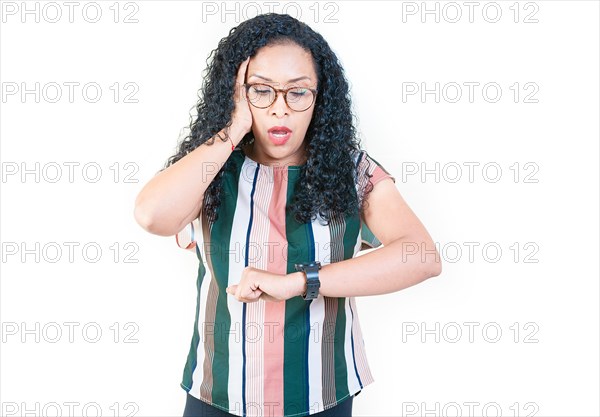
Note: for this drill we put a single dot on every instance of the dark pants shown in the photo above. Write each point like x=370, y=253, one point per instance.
x=198, y=408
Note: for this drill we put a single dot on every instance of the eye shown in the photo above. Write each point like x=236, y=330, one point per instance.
x=299, y=92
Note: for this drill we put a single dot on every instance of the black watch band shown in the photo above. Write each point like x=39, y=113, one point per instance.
x=312, y=278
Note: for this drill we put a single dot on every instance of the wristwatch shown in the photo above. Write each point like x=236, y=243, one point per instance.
x=312, y=278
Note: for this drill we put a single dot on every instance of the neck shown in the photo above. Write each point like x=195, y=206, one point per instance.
x=252, y=153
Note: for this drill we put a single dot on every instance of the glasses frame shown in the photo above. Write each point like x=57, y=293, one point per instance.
x=284, y=91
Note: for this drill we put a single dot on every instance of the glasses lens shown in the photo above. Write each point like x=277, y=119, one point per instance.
x=299, y=98
x=261, y=95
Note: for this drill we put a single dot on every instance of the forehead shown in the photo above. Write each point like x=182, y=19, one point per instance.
x=282, y=64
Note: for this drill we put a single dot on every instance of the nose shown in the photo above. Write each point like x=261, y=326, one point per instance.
x=279, y=106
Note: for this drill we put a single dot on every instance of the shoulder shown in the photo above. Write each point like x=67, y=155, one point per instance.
x=367, y=166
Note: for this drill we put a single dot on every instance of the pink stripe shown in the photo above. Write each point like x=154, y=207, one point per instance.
x=360, y=354
x=275, y=311
x=379, y=174
x=255, y=357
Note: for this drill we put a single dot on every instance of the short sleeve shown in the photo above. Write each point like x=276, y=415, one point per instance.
x=186, y=238
x=374, y=168
x=366, y=164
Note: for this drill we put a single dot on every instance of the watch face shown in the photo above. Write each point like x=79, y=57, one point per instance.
x=314, y=264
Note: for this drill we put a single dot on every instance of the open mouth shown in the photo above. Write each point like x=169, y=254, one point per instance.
x=279, y=134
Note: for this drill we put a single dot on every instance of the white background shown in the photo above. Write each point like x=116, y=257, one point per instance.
x=554, y=301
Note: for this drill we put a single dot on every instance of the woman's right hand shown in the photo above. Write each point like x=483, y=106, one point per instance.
x=241, y=119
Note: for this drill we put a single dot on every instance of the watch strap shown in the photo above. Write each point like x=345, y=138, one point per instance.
x=312, y=279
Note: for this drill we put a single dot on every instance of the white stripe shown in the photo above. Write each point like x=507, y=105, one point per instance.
x=353, y=384
x=236, y=266
x=359, y=349
x=358, y=243
x=198, y=373
x=255, y=317
x=352, y=381
x=322, y=237
x=315, y=371
x=359, y=352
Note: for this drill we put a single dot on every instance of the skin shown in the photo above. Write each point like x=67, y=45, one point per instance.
x=165, y=206
x=408, y=255
x=280, y=64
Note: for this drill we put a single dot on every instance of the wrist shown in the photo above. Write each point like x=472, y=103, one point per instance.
x=235, y=133
x=299, y=279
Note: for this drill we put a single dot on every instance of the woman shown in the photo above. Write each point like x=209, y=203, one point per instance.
x=270, y=190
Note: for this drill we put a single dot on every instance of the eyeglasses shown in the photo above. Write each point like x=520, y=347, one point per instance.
x=296, y=98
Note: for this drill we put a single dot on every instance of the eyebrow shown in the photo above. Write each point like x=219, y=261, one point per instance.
x=289, y=81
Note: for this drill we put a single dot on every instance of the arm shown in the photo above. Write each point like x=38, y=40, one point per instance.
x=379, y=271
x=173, y=198
x=408, y=257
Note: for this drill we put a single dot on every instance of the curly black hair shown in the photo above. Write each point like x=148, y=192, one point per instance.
x=327, y=182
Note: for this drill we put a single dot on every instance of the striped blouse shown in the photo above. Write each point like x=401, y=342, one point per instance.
x=288, y=358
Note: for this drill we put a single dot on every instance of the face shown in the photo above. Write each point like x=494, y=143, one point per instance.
x=282, y=67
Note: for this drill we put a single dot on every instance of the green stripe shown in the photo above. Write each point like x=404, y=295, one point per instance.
x=352, y=230
x=353, y=227
x=192, y=357
x=295, y=393
x=368, y=236
x=366, y=233
x=220, y=238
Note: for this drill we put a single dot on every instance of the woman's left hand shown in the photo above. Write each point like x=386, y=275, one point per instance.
x=258, y=284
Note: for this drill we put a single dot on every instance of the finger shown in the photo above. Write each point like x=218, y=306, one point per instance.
x=241, y=76
x=240, y=91
x=243, y=93
x=244, y=296
x=238, y=292
x=250, y=298
x=252, y=294
x=235, y=291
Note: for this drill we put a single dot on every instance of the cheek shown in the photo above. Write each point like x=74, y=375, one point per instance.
x=261, y=118
x=306, y=121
